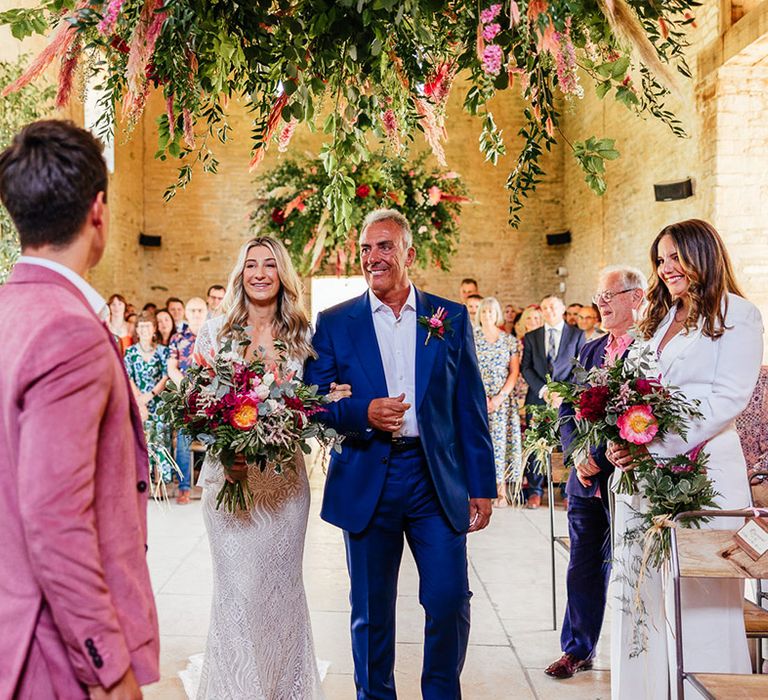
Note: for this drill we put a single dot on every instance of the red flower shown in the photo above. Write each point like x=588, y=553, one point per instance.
x=278, y=216
x=645, y=386
x=246, y=413
x=363, y=191
x=592, y=403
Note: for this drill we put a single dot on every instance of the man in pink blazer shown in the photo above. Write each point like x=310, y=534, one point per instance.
x=77, y=615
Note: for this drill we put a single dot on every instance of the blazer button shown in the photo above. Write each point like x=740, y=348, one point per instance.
x=384, y=460
x=98, y=662
x=89, y=643
x=142, y=486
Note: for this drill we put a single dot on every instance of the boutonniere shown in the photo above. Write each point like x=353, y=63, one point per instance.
x=437, y=325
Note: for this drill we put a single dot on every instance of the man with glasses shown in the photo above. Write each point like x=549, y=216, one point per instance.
x=588, y=320
x=548, y=354
x=620, y=298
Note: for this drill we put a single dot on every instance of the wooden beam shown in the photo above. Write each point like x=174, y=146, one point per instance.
x=749, y=32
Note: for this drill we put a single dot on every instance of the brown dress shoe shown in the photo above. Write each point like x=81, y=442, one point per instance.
x=566, y=666
x=534, y=502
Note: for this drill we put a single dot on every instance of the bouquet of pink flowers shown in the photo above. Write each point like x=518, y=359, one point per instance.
x=623, y=404
x=252, y=409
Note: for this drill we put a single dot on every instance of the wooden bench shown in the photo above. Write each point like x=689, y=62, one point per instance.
x=697, y=554
x=726, y=686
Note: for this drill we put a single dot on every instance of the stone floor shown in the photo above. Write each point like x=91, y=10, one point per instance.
x=511, y=640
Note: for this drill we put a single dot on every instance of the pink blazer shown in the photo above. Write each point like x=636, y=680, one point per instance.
x=76, y=604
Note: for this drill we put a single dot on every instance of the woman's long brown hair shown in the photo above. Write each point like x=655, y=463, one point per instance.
x=705, y=262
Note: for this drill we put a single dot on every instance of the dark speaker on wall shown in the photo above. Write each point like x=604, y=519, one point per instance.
x=559, y=238
x=670, y=191
x=150, y=241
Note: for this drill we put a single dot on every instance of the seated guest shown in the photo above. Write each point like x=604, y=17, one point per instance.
x=548, y=354
x=117, y=323
x=588, y=322
x=175, y=307
x=571, y=314
x=146, y=362
x=499, y=361
x=467, y=288
x=589, y=520
x=214, y=297
x=165, y=327
x=181, y=347
x=473, y=305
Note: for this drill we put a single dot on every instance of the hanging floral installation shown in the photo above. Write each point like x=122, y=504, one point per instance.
x=369, y=68
x=290, y=205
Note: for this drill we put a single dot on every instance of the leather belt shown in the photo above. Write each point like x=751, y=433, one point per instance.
x=401, y=444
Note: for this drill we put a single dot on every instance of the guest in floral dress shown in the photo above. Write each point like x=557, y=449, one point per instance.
x=499, y=361
x=147, y=365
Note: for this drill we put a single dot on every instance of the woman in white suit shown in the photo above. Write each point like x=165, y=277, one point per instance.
x=709, y=342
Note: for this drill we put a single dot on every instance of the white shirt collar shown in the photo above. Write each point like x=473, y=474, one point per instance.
x=94, y=299
x=558, y=327
x=377, y=303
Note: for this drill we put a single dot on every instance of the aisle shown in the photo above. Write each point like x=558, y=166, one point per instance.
x=510, y=642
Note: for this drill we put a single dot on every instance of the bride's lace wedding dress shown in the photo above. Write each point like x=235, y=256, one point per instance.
x=259, y=643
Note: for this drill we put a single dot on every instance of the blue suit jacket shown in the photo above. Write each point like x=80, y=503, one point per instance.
x=534, y=363
x=450, y=408
x=591, y=355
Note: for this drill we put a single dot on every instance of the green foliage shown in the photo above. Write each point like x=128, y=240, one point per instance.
x=295, y=198
x=16, y=110
x=591, y=156
x=356, y=61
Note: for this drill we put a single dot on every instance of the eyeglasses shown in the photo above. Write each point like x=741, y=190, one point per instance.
x=606, y=297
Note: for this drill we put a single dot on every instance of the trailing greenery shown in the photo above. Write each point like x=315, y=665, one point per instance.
x=381, y=68
x=16, y=110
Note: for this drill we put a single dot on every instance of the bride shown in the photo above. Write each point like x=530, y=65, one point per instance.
x=259, y=643
x=709, y=342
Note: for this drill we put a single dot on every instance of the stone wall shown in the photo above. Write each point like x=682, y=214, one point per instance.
x=722, y=109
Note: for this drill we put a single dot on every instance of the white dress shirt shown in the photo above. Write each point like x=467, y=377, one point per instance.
x=94, y=299
x=558, y=329
x=558, y=336
x=397, y=346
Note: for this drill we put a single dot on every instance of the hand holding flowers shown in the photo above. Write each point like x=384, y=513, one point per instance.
x=249, y=414
x=622, y=406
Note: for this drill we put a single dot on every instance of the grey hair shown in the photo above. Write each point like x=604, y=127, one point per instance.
x=631, y=277
x=389, y=215
x=489, y=303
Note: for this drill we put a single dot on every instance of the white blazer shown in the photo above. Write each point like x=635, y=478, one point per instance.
x=722, y=375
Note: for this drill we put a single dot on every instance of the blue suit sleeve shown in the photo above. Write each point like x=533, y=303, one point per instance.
x=348, y=416
x=534, y=380
x=472, y=419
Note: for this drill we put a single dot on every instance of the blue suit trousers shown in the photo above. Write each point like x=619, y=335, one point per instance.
x=589, y=569
x=408, y=509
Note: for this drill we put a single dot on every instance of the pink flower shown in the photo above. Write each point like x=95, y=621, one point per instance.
x=286, y=134
x=638, y=425
x=492, y=58
x=107, y=25
x=435, y=322
x=490, y=31
x=435, y=195
x=490, y=14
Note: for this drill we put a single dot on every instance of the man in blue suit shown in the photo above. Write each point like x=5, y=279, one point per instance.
x=548, y=351
x=620, y=296
x=416, y=463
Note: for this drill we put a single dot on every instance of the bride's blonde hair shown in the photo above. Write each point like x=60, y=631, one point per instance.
x=291, y=323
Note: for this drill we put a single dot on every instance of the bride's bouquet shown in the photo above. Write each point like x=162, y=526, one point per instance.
x=249, y=409
x=624, y=404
